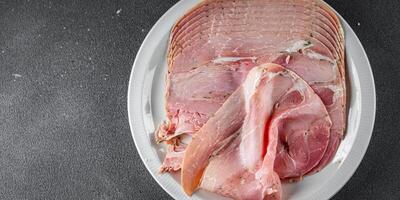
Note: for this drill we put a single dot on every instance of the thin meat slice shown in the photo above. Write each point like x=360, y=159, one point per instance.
x=260, y=29
x=234, y=153
x=209, y=29
x=193, y=96
x=323, y=75
x=174, y=156
x=215, y=44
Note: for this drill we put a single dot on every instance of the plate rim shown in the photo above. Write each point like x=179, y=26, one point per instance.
x=326, y=194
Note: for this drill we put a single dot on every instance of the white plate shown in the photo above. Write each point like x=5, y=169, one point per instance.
x=146, y=111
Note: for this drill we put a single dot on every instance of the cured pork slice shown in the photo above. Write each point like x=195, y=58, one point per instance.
x=323, y=75
x=195, y=95
x=214, y=45
x=260, y=28
x=174, y=156
x=273, y=118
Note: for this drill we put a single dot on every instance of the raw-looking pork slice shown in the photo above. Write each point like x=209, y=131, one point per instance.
x=274, y=117
x=225, y=33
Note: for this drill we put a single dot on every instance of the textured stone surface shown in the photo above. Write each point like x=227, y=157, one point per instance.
x=65, y=65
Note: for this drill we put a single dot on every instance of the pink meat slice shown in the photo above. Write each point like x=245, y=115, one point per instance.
x=174, y=157
x=217, y=35
x=195, y=95
x=274, y=118
x=251, y=28
x=323, y=75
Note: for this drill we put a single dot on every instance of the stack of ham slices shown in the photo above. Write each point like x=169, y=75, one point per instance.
x=255, y=95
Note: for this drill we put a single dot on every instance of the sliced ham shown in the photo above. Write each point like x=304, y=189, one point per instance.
x=323, y=75
x=215, y=44
x=174, y=156
x=274, y=118
x=251, y=28
x=195, y=95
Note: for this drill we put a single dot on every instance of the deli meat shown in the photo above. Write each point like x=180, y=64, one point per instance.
x=195, y=95
x=324, y=77
x=211, y=50
x=273, y=119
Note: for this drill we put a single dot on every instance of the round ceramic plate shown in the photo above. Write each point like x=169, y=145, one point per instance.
x=146, y=112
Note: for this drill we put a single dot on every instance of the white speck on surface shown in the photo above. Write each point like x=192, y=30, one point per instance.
x=90, y=58
x=17, y=75
x=2, y=51
x=76, y=42
x=142, y=30
x=62, y=75
x=88, y=29
x=64, y=27
x=296, y=46
x=119, y=11
x=358, y=24
x=105, y=78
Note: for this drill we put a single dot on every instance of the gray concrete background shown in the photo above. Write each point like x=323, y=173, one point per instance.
x=65, y=65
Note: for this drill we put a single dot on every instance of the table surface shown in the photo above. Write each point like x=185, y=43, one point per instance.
x=65, y=66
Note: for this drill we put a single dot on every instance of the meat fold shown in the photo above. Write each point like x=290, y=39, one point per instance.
x=323, y=75
x=273, y=119
x=174, y=156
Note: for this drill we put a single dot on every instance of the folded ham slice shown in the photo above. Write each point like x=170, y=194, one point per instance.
x=323, y=75
x=273, y=118
x=213, y=47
